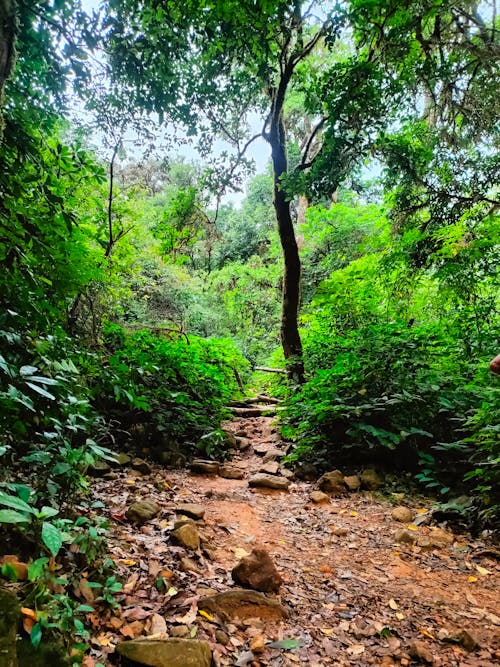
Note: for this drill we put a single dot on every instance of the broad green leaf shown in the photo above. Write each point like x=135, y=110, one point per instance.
x=16, y=503
x=47, y=512
x=287, y=644
x=37, y=568
x=41, y=391
x=11, y=516
x=52, y=538
x=36, y=634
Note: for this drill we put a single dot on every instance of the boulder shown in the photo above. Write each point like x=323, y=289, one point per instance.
x=319, y=498
x=99, y=469
x=122, y=459
x=242, y=604
x=264, y=481
x=9, y=619
x=192, y=510
x=306, y=472
x=371, y=480
x=352, y=482
x=243, y=444
x=187, y=536
x=270, y=468
x=332, y=483
x=403, y=514
x=142, y=511
x=405, y=537
x=172, y=652
x=205, y=467
x=257, y=571
x=231, y=472
x=273, y=455
x=141, y=466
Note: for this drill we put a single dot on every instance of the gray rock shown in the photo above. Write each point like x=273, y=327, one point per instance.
x=166, y=652
x=9, y=619
x=193, y=510
x=231, y=472
x=205, y=467
x=264, y=481
x=142, y=511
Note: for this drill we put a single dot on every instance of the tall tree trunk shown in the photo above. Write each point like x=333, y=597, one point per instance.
x=290, y=337
x=8, y=29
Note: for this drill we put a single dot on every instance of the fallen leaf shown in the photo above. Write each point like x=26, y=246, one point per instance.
x=240, y=553
x=29, y=613
x=205, y=615
x=327, y=631
x=355, y=649
x=426, y=633
x=172, y=591
x=326, y=569
x=393, y=604
x=353, y=513
x=28, y=624
x=287, y=644
x=482, y=570
x=156, y=625
x=400, y=616
x=472, y=579
x=411, y=526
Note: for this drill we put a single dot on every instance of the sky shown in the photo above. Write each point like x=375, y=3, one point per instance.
x=259, y=151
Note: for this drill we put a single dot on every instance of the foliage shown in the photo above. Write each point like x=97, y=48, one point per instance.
x=178, y=387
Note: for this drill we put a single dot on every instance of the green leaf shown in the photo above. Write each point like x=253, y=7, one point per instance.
x=37, y=568
x=52, y=538
x=47, y=512
x=11, y=516
x=16, y=503
x=36, y=634
x=41, y=391
x=287, y=644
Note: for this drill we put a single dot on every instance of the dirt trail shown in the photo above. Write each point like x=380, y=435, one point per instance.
x=354, y=596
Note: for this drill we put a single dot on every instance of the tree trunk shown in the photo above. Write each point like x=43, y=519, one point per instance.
x=8, y=28
x=290, y=337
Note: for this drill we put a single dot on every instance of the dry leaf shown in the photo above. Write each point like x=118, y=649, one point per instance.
x=393, y=604
x=482, y=570
x=411, y=526
x=156, y=625
x=29, y=613
x=355, y=649
x=127, y=562
x=131, y=583
x=472, y=579
x=327, y=631
x=426, y=633
x=240, y=553
x=353, y=513
x=400, y=616
x=28, y=624
x=205, y=615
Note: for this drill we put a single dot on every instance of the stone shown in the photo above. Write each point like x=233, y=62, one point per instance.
x=467, y=640
x=436, y=539
x=319, y=498
x=230, y=438
x=332, y=483
x=371, y=480
x=221, y=637
x=231, y=472
x=187, y=536
x=420, y=651
x=306, y=472
x=142, y=511
x=405, y=537
x=288, y=474
x=205, y=467
x=257, y=571
x=270, y=468
x=172, y=652
x=122, y=459
x=141, y=466
x=258, y=644
x=241, y=433
x=243, y=604
x=243, y=444
x=179, y=631
x=402, y=514
x=188, y=565
x=352, y=482
x=338, y=531
x=9, y=619
x=182, y=521
x=99, y=469
x=192, y=510
x=263, y=481
x=273, y=455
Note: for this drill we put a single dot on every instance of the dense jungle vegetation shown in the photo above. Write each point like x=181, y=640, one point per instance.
x=136, y=299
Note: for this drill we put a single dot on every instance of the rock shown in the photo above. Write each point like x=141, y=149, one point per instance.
x=261, y=450
x=187, y=536
x=191, y=509
x=319, y=498
x=405, y=537
x=221, y=637
x=179, y=631
x=142, y=511
x=270, y=468
x=332, y=483
x=242, y=604
x=99, y=469
x=288, y=474
x=352, y=482
x=9, y=619
x=306, y=472
x=436, y=539
x=273, y=455
x=468, y=641
x=420, y=651
x=122, y=459
x=403, y=514
x=258, y=644
x=188, y=565
x=182, y=521
x=370, y=479
x=257, y=571
x=141, y=466
x=205, y=467
x=230, y=439
x=166, y=652
x=243, y=444
x=241, y=433
x=338, y=531
x=262, y=480
x=231, y=472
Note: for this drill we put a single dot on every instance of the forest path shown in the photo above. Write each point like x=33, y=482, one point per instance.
x=353, y=595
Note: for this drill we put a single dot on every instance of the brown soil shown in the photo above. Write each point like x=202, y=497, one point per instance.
x=354, y=596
